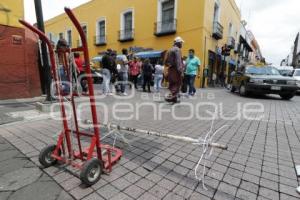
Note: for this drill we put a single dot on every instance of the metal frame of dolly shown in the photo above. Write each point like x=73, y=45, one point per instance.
x=92, y=163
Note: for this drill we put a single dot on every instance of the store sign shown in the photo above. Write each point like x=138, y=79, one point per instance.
x=17, y=40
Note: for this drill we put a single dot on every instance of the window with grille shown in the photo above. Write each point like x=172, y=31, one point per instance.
x=69, y=37
x=168, y=15
x=101, y=32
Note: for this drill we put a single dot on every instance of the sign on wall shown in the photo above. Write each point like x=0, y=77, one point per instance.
x=17, y=40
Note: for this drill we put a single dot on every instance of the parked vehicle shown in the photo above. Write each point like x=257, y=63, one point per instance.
x=285, y=70
x=296, y=76
x=264, y=80
x=96, y=73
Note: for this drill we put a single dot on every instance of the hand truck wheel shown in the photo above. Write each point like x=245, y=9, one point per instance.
x=45, y=156
x=91, y=172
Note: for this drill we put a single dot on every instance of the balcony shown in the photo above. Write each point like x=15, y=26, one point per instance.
x=100, y=40
x=231, y=42
x=168, y=27
x=126, y=35
x=217, y=31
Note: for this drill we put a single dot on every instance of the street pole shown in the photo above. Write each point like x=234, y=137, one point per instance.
x=44, y=59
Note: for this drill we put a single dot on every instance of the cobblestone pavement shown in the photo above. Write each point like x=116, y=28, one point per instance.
x=21, y=179
x=259, y=163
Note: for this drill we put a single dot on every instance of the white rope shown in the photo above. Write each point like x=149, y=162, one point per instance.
x=207, y=152
x=207, y=143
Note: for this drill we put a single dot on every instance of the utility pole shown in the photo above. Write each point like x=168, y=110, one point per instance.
x=45, y=62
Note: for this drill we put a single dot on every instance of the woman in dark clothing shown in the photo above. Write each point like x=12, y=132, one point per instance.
x=147, y=73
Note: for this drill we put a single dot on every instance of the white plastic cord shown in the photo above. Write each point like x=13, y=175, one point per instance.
x=206, y=143
x=206, y=153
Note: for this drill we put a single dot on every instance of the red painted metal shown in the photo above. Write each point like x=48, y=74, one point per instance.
x=89, y=79
x=112, y=154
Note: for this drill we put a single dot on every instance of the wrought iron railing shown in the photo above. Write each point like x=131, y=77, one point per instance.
x=126, y=35
x=165, y=27
x=217, y=30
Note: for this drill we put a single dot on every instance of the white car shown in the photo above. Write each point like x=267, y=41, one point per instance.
x=285, y=70
x=296, y=76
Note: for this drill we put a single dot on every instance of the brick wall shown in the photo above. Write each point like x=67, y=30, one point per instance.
x=19, y=74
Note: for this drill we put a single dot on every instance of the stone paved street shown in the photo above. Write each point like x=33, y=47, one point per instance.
x=21, y=179
x=259, y=163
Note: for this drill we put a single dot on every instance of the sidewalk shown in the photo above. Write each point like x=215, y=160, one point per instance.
x=259, y=163
x=8, y=107
x=21, y=179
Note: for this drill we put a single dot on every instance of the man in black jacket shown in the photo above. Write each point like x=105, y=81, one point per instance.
x=109, y=69
x=147, y=73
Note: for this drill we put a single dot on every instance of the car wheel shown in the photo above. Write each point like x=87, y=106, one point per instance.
x=287, y=96
x=243, y=90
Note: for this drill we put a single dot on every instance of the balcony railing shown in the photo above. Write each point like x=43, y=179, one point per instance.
x=165, y=27
x=126, y=35
x=231, y=42
x=100, y=40
x=217, y=30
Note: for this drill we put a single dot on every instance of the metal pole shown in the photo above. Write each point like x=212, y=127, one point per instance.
x=45, y=61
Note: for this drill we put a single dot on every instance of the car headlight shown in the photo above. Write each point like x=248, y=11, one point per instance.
x=256, y=80
x=291, y=82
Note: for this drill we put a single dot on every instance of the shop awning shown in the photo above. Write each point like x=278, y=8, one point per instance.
x=149, y=54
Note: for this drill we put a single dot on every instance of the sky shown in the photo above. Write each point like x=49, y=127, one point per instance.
x=274, y=23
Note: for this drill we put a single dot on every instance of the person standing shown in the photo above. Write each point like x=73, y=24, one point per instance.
x=158, y=76
x=61, y=47
x=184, y=83
x=123, y=72
x=147, y=73
x=192, y=68
x=81, y=72
x=108, y=69
x=175, y=67
x=222, y=78
x=134, y=71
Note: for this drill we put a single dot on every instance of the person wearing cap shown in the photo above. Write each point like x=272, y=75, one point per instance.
x=175, y=64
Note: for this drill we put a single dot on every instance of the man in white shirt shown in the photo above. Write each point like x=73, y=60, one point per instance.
x=123, y=72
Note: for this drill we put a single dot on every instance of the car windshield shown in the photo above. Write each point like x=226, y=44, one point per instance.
x=285, y=72
x=262, y=71
x=297, y=73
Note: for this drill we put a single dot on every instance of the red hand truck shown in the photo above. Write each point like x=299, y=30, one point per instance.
x=95, y=159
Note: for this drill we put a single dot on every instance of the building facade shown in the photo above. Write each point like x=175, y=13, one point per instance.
x=293, y=59
x=205, y=25
x=19, y=74
x=244, y=48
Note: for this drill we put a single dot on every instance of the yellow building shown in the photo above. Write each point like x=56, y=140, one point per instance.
x=10, y=12
x=205, y=25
